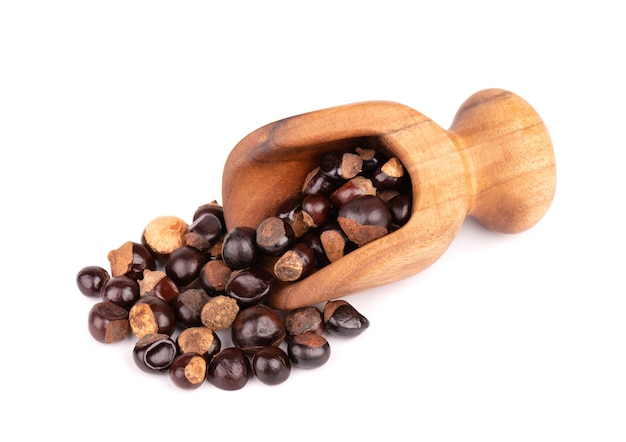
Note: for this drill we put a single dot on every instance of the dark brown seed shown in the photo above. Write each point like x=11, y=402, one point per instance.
x=313, y=240
x=188, y=371
x=308, y=350
x=188, y=307
x=91, y=279
x=357, y=186
x=342, y=319
x=239, y=249
x=364, y=219
x=213, y=208
x=390, y=175
x=271, y=365
x=166, y=289
x=249, y=286
x=400, y=209
x=131, y=259
x=149, y=281
x=154, y=352
x=213, y=276
x=317, y=183
x=295, y=264
x=339, y=165
x=151, y=315
x=200, y=340
x=257, y=327
x=204, y=231
x=229, y=369
x=372, y=159
x=316, y=209
x=274, y=235
x=121, y=290
x=291, y=212
x=304, y=319
x=108, y=322
x=184, y=264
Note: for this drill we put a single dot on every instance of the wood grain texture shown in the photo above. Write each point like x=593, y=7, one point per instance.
x=495, y=163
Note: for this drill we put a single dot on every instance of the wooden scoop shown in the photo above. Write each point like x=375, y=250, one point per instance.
x=495, y=163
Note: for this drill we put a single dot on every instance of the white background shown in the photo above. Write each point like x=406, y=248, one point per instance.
x=112, y=113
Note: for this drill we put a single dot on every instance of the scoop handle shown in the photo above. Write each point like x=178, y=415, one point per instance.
x=509, y=159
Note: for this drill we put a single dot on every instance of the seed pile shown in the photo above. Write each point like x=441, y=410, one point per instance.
x=183, y=282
